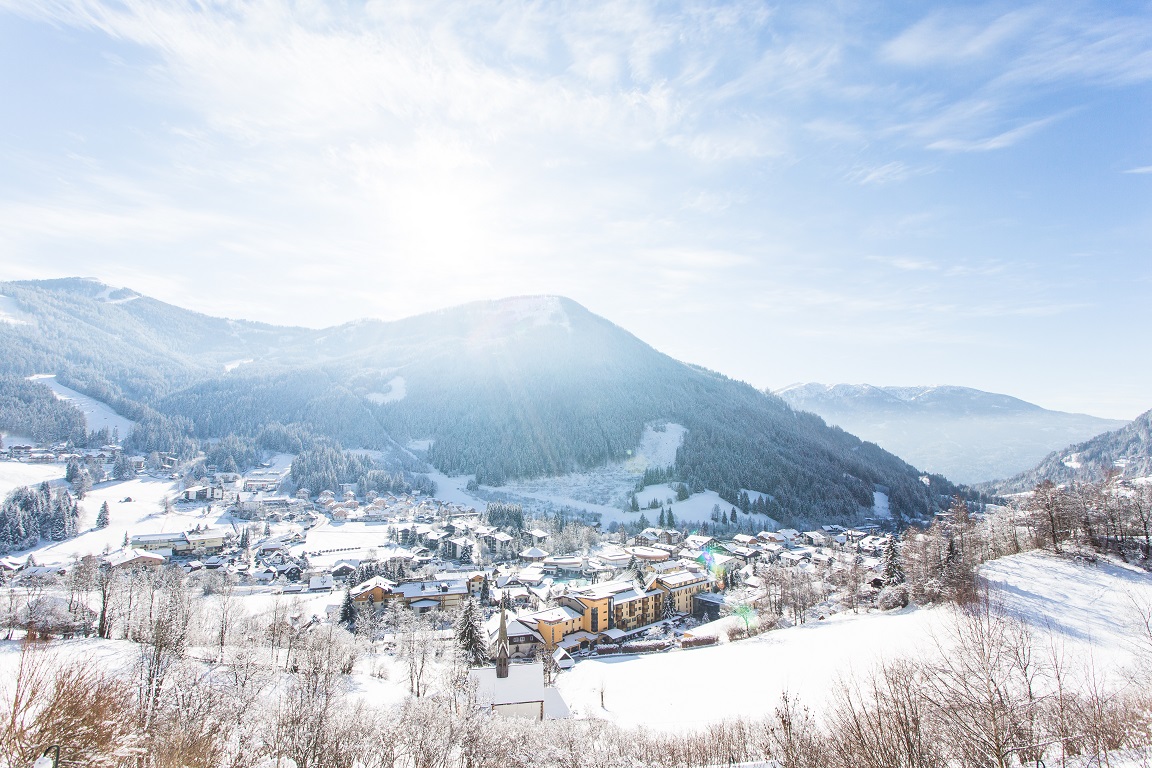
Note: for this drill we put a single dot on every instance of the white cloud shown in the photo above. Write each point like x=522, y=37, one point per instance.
x=950, y=37
x=989, y=143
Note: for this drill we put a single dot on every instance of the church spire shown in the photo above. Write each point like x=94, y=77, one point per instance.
x=502, y=647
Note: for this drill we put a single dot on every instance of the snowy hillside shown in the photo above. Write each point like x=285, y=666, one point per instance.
x=506, y=390
x=1127, y=450
x=98, y=415
x=1088, y=612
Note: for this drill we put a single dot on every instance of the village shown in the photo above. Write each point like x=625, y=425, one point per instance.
x=550, y=592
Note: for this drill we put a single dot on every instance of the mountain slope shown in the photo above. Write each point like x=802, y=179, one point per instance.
x=1127, y=450
x=965, y=434
x=515, y=388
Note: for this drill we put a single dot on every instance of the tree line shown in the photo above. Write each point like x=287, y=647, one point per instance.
x=30, y=514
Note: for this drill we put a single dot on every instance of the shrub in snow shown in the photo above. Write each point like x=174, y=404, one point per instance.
x=606, y=648
x=645, y=646
x=737, y=633
x=892, y=597
x=931, y=592
x=697, y=642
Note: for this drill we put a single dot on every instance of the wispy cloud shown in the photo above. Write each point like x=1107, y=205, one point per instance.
x=999, y=141
x=886, y=173
x=729, y=160
x=952, y=36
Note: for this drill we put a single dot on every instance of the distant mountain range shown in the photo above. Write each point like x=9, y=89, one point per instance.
x=967, y=435
x=1127, y=450
x=523, y=387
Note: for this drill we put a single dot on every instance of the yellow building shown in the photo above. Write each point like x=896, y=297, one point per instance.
x=682, y=585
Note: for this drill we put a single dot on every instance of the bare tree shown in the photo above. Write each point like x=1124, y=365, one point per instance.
x=979, y=687
x=885, y=723
x=163, y=637
x=790, y=736
x=416, y=645
x=1049, y=506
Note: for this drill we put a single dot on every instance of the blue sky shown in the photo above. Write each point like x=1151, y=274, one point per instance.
x=891, y=193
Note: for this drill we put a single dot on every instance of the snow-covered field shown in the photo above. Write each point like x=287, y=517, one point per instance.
x=397, y=390
x=1087, y=610
x=880, y=506
x=691, y=688
x=12, y=314
x=143, y=514
x=330, y=542
x=14, y=474
x=99, y=415
x=605, y=490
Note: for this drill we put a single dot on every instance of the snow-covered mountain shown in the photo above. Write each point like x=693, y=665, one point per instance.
x=1127, y=450
x=965, y=434
x=517, y=388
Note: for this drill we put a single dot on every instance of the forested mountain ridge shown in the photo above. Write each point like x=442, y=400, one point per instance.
x=966, y=434
x=1126, y=451
x=514, y=388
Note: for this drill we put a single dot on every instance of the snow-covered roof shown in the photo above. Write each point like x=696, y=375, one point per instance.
x=525, y=683
x=125, y=556
x=560, y=613
x=681, y=579
x=415, y=589
x=372, y=583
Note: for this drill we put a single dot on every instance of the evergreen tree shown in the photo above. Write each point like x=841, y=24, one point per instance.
x=634, y=503
x=470, y=635
x=123, y=469
x=348, y=611
x=245, y=540
x=660, y=521
x=670, y=519
x=893, y=571
x=485, y=591
x=636, y=569
x=102, y=518
x=669, y=608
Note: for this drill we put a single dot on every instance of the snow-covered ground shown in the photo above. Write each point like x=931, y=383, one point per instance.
x=397, y=390
x=14, y=474
x=1091, y=609
x=696, y=508
x=143, y=514
x=97, y=414
x=880, y=506
x=603, y=491
x=330, y=542
x=691, y=688
x=1087, y=610
x=12, y=314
